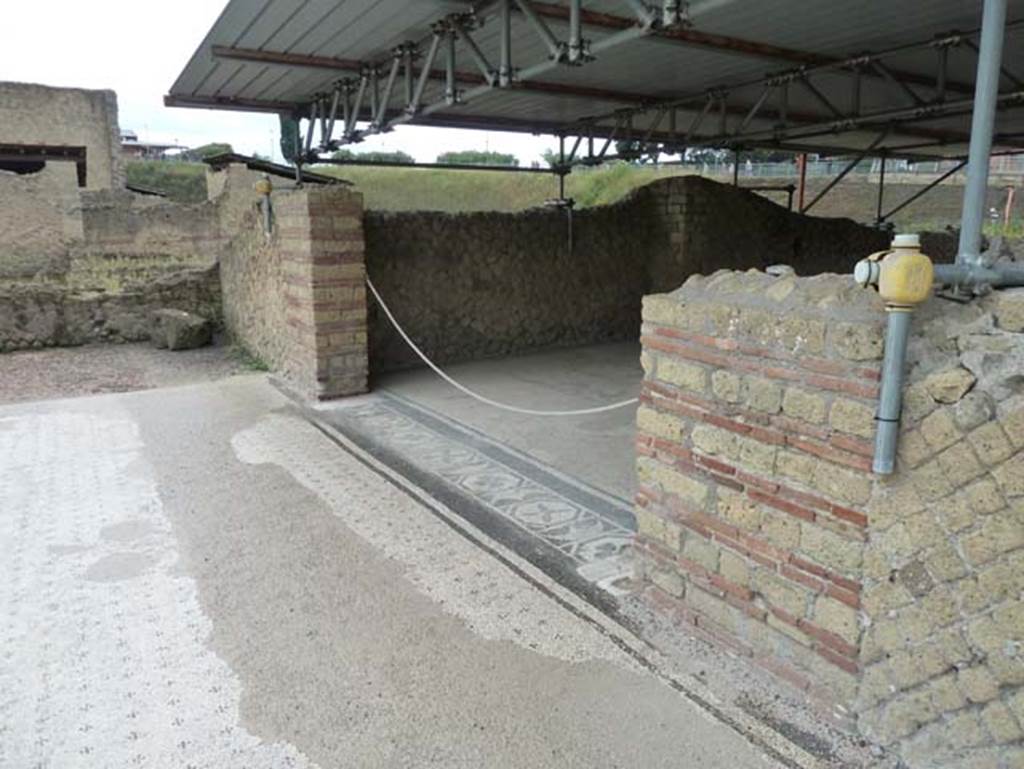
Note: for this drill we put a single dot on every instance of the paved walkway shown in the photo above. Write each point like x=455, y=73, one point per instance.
x=197, y=577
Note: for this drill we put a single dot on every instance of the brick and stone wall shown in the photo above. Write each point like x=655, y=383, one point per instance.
x=297, y=297
x=468, y=286
x=894, y=604
x=38, y=114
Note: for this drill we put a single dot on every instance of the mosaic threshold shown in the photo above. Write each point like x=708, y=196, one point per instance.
x=555, y=521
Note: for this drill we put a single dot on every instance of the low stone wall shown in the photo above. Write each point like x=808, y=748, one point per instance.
x=894, y=603
x=34, y=315
x=468, y=286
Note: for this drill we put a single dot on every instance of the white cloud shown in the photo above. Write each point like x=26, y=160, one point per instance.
x=138, y=49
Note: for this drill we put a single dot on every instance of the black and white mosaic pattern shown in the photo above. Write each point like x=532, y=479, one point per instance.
x=591, y=529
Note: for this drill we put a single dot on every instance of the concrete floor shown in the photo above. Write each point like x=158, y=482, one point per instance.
x=199, y=577
x=597, y=449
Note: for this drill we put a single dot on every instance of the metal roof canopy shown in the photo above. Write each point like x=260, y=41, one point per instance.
x=890, y=77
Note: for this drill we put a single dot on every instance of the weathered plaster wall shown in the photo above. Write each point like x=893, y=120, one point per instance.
x=38, y=114
x=38, y=222
x=895, y=603
x=469, y=286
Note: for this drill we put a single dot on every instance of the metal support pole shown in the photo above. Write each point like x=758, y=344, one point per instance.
x=308, y=146
x=924, y=190
x=881, y=191
x=842, y=174
x=575, y=32
x=407, y=53
x=505, y=63
x=555, y=49
x=801, y=162
x=334, y=115
x=421, y=84
x=382, y=106
x=451, y=92
x=990, y=56
x=890, y=399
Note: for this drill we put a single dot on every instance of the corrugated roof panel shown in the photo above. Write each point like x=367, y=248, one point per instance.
x=650, y=68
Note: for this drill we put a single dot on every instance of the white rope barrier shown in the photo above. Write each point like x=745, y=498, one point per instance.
x=478, y=396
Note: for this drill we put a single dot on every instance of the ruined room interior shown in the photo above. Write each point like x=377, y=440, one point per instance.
x=795, y=438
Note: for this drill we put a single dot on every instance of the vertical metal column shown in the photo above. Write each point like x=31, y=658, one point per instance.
x=990, y=57
x=505, y=62
x=881, y=191
x=801, y=162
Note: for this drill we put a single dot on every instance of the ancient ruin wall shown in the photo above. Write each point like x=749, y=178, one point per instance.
x=468, y=286
x=699, y=226
x=38, y=114
x=296, y=297
x=38, y=222
x=893, y=603
x=41, y=315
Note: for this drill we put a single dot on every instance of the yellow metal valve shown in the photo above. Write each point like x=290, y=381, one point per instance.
x=905, y=274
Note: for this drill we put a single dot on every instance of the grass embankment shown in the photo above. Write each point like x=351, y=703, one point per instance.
x=181, y=182
x=415, y=189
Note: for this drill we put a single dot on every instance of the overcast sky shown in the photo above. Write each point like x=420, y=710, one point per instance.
x=138, y=49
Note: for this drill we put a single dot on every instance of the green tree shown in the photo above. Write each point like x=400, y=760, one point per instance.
x=373, y=157
x=478, y=157
x=209, y=150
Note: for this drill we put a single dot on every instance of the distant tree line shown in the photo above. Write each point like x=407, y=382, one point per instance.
x=460, y=157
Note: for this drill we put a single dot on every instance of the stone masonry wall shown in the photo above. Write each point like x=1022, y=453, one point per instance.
x=38, y=114
x=34, y=315
x=469, y=286
x=894, y=604
x=297, y=298
x=699, y=226
x=943, y=640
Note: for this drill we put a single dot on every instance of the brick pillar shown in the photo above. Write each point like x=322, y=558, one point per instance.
x=753, y=466
x=896, y=602
x=321, y=241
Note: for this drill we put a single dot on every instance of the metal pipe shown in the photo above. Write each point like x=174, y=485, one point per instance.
x=1001, y=275
x=382, y=107
x=924, y=190
x=477, y=55
x=554, y=47
x=451, y=93
x=890, y=399
x=505, y=62
x=802, y=187
x=421, y=84
x=990, y=55
x=881, y=190
x=575, y=32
